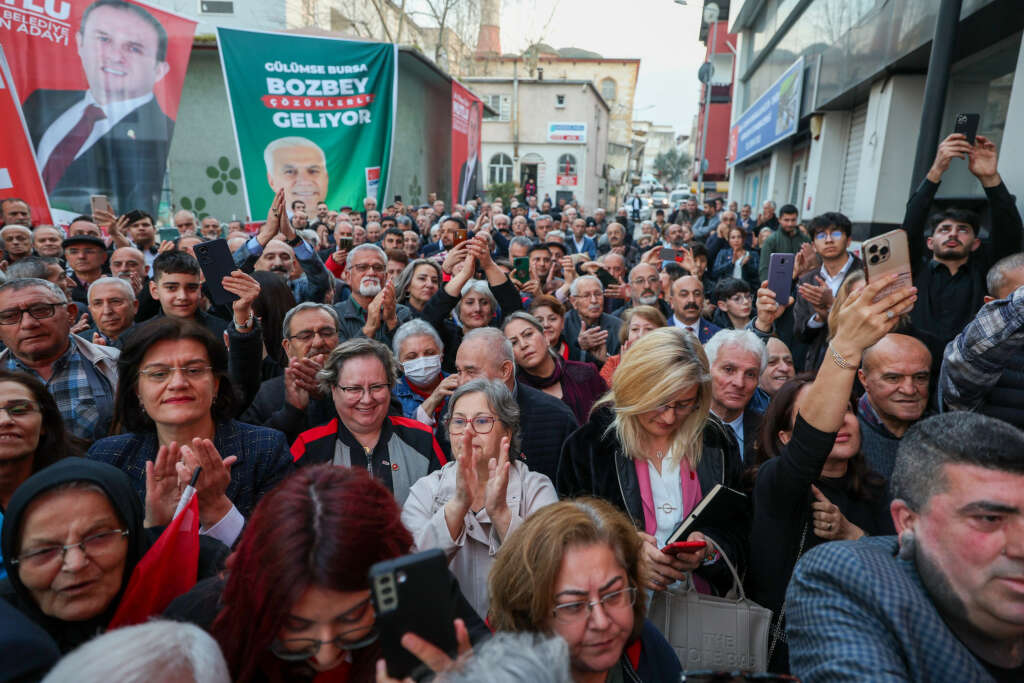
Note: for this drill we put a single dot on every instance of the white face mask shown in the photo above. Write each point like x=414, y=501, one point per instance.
x=423, y=370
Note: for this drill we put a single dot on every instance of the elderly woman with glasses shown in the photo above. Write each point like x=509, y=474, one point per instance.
x=470, y=506
x=653, y=449
x=574, y=570
x=359, y=376
x=175, y=402
x=74, y=533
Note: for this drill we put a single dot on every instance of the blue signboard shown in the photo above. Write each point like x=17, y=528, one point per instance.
x=773, y=117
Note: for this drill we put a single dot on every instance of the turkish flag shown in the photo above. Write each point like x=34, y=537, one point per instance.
x=168, y=569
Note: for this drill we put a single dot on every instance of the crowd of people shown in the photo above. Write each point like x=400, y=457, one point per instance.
x=541, y=393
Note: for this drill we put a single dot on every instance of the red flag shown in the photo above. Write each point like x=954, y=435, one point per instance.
x=167, y=570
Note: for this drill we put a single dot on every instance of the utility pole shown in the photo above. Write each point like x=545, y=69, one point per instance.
x=710, y=18
x=939, y=63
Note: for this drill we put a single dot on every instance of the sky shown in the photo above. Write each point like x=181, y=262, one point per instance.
x=661, y=33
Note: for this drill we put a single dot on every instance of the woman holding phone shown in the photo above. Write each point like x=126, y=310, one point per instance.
x=295, y=602
x=653, y=449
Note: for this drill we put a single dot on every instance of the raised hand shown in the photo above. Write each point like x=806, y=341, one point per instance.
x=862, y=321
x=163, y=486
x=768, y=309
x=819, y=296
x=953, y=147
x=246, y=288
x=213, y=480
x=496, y=491
x=437, y=660
x=983, y=161
x=81, y=325
x=829, y=522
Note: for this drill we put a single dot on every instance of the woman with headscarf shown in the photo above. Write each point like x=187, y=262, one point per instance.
x=73, y=535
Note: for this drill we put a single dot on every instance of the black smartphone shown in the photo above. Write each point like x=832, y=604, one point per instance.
x=216, y=262
x=411, y=594
x=666, y=254
x=967, y=125
x=606, y=278
x=345, y=243
x=780, y=277
x=398, y=199
x=168, y=234
x=522, y=266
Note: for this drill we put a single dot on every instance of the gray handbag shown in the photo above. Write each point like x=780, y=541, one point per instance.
x=708, y=632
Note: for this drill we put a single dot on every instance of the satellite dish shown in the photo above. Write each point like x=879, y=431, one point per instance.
x=711, y=13
x=705, y=72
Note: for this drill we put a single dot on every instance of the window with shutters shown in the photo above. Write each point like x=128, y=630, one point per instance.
x=501, y=104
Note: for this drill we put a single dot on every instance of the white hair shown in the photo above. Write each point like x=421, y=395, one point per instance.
x=481, y=287
x=414, y=328
x=496, y=341
x=157, y=650
x=116, y=281
x=743, y=339
x=365, y=247
x=514, y=657
x=15, y=226
x=290, y=141
x=574, y=288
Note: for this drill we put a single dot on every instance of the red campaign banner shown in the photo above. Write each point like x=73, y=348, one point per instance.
x=100, y=82
x=467, y=110
x=18, y=174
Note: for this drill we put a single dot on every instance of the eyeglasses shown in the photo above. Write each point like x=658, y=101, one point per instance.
x=482, y=424
x=12, y=316
x=741, y=298
x=323, y=332
x=575, y=611
x=652, y=280
x=93, y=547
x=834, y=234
x=363, y=267
x=297, y=649
x=589, y=295
x=677, y=407
x=355, y=393
x=16, y=409
x=161, y=373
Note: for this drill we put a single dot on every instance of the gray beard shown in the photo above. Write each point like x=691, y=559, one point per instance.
x=648, y=300
x=366, y=289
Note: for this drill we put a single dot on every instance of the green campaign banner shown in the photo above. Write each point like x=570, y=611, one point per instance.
x=312, y=115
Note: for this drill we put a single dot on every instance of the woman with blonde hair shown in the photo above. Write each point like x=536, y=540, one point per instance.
x=573, y=569
x=653, y=449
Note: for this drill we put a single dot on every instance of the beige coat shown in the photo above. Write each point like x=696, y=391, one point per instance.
x=471, y=554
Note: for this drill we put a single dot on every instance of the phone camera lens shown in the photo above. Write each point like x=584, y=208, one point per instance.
x=873, y=248
x=400, y=577
x=873, y=260
x=884, y=251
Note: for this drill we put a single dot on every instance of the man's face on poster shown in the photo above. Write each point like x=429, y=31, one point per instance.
x=473, y=132
x=119, y=53
x=302, y=172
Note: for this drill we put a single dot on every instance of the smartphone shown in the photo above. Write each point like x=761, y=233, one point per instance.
x=606, y=278
x=411, y=594
x=345, y=243
x=98, y=203
x=666, y=254
x=683, y=546
x=216, y=263
x=461, y=235
x=967, y=125
x=168, y=234
x=884, y=255
x=780, y=276
x=398, y=199
x=522, y=266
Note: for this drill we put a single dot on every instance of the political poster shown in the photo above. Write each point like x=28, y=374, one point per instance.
x=19, y=177
x=312, y=115
x=467, y=110
x=99, y=82
x=773, y=117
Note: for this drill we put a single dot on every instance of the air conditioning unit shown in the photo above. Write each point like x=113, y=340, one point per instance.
x=216, y=7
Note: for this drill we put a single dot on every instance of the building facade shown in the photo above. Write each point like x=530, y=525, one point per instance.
x=557, y=130
x=829, y=95
x=720, y=46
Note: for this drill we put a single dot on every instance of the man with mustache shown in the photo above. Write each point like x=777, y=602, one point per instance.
x=292, y=403
x=950, y=265
x=943, y=600
x=687, y=298
x=370, y=310
x=645, y=289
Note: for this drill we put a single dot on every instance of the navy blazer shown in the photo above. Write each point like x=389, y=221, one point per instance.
x=589, y=246
x=707, y=330
x=263, y=459
x=855, y=611
x=127, y=163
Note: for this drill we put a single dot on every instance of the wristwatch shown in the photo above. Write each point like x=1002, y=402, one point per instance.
x=296, y=241
x=247, y=325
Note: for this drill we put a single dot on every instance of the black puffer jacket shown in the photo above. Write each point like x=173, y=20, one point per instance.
x=593, y=463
